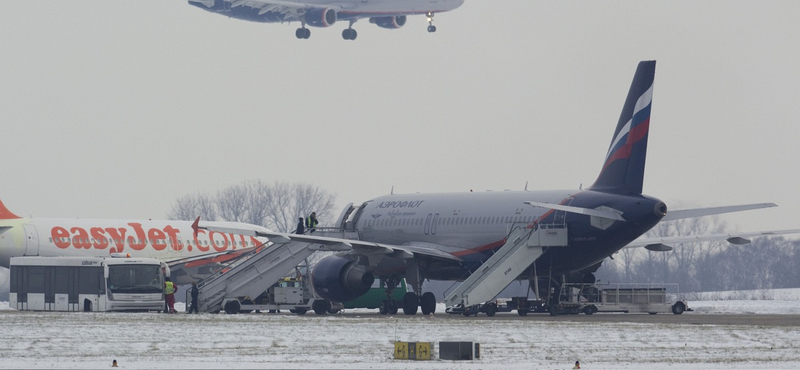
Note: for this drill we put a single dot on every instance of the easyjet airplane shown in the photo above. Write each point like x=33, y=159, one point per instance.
x=390, y=14
x=190, y=255
x=447, y=236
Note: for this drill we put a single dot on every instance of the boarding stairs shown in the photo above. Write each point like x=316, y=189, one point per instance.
x=523, y=246
x=251, y=275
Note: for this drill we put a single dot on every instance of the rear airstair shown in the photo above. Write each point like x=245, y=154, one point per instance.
x=250, y=276
x=523, y=246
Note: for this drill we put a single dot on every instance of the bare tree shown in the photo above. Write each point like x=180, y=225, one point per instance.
x=233, y=202
x=277, y=206
x=188, y=207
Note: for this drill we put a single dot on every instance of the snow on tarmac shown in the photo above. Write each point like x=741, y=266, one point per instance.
x=365, y=341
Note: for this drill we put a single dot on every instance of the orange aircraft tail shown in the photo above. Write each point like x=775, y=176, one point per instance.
x=5, y=214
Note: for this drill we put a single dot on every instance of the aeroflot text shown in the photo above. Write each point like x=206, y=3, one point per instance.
x=138, y=239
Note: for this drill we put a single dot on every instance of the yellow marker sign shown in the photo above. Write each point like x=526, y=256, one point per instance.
x=423, y=350
x=412, y=351
x=401, y=350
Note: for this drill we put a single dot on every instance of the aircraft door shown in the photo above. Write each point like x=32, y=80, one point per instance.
x=31, y=240
x=428, y=223
x=433, y=224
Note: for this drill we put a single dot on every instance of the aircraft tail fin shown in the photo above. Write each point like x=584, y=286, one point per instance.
x=5, y=214
x=623, y=169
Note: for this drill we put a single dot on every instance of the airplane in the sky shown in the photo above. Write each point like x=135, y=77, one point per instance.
x=449, y=236
x=390, y=14
x=190, y=255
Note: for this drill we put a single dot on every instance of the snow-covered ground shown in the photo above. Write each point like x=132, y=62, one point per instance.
x=365, y=340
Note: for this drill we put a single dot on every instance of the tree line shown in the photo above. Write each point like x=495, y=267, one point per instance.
x=276, y=206
x=766, y=263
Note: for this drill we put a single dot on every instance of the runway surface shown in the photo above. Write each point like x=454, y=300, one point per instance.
x=363, y=340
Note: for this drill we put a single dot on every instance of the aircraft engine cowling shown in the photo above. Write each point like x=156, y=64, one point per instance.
x=340, y=279
x=391, y=23
x=320, y=17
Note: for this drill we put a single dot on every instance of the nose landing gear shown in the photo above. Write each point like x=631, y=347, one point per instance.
x=431, y=27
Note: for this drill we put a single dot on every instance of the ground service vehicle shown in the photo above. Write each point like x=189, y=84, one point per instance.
x=87, y=284
x=376, y=297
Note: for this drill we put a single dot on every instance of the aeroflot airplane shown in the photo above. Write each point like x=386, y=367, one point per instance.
x=390, y=14
x=447, y=236
x=190, y=255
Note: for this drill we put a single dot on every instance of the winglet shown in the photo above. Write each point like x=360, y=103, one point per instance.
x=196, y=226
x=5, y=214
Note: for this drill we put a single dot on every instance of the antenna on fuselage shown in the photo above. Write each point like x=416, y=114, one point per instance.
x=392, y=191
x=526, y=186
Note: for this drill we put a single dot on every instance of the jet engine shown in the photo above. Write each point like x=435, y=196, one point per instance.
x=339, y=279
x=320, y=17
x=391, y=23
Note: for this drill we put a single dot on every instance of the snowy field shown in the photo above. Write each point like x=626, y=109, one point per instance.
x=365, y=340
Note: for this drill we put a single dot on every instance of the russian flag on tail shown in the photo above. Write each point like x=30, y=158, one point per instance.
x=623, y=169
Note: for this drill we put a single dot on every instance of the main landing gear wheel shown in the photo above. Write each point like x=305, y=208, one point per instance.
x=428, y=303
x=302, y=33
x=349, y=34
x=410, y=303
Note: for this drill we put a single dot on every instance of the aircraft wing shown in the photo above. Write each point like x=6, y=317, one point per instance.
x=662, y=244
x=336, y=244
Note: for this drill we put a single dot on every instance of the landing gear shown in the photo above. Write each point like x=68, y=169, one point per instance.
x=431, y=27
x=428, y=303
x=350, y=33
x=410, y=303
x=303, y=33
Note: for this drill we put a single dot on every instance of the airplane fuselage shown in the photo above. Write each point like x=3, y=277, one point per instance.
x=473, y=225
x=165, y=240
x=361, y=9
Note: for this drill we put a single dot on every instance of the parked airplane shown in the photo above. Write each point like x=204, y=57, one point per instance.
x=448, y=236
x=390, y=14
x=190, y=255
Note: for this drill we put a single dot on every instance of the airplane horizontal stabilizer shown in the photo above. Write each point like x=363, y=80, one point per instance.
x=611, y=215
x=700, y=212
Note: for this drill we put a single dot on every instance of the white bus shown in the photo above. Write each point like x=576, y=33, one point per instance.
x=87, y=284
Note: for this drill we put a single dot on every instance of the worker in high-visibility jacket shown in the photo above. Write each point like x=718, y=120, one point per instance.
x=169, y=291
x=311, y=222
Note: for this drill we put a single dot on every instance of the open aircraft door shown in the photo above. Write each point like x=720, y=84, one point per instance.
x=31, y=240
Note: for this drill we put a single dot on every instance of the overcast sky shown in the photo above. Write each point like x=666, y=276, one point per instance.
x=113, y=109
